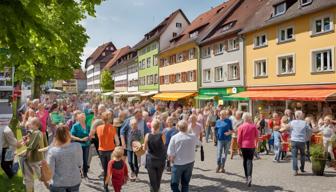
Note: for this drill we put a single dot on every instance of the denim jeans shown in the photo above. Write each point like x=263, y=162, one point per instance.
x=207, y=134
x=85, y=159
x=277, y=151
x=222, y=147
x=248, y=160
x=298, y=147
x=64, y=189
x=133, y=162
x=181, y=173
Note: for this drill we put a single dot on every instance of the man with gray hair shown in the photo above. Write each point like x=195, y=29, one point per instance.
x=299, y=130
x=181, y=152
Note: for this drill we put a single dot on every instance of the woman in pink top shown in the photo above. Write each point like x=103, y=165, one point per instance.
x=43, y=115
x=247, y=138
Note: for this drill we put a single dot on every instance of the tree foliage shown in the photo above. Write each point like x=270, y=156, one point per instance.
x=43, y=39
x=106, y=83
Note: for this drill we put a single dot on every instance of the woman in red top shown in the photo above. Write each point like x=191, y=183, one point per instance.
x=247, y=139
x=117, y=171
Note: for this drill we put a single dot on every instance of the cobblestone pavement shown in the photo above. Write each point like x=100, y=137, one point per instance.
x=267, y=176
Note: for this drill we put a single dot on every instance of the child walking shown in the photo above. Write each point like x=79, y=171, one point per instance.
x=117, y=171
x=276, y=135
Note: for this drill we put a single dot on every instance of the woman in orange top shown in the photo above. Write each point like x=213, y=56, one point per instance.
x=106, y=145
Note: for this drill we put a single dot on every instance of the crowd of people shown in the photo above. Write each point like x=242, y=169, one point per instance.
x=61, y=136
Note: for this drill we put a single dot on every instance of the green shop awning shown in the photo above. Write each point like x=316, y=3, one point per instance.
x=229, y=98
x=204, y=97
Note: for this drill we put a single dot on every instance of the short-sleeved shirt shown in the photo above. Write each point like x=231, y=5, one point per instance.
x=106, y=134
x=223, y=126
x=299, y=130
x=78, y=131
x=197, y=129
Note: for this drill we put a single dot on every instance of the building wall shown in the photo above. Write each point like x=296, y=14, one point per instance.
x=93, y=77
x=120, y=74
x=148, y=71
x=184, y=66
x=131, y=76
x=224, y=59
x=301, y=47
x=81, y=85
x=168, y=34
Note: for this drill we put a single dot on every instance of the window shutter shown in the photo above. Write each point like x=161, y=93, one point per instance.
x=226, y=45
x=184, y=76
x=185, y=56
x=161, y=80
x=174, y=58
x=174, y=78
x=194, y=75
x=161, y=62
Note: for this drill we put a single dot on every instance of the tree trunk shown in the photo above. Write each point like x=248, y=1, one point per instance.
x=36, y=88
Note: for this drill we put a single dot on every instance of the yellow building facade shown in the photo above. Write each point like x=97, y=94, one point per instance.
x=303, y=52
x=178, y=69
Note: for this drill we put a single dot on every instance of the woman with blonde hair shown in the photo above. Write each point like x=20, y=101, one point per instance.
x=328, y=131
x=156, y=156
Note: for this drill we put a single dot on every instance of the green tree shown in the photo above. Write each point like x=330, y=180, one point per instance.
x=106, y=83
x=43, y=39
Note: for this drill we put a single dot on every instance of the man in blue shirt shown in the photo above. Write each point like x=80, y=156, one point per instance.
x=224, y=131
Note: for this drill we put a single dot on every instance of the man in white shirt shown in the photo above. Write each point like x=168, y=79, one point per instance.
x=181, y=152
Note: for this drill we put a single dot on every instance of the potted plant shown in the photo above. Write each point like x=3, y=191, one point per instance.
x=318, y=158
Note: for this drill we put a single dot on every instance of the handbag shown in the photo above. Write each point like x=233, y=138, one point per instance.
x=202, y=153
x=45, y=172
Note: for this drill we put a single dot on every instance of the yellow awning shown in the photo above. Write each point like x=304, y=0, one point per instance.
x=171, y=96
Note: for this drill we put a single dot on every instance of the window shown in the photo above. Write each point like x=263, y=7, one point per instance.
x=323, y=60
x=180, y=57
x=143, y=64
x=165, y=62
x=279, y=9
x=233, y=71
x=227, y=26
x=178, y=78
x=206, y=52
x=323, y=25
x=192, y=53
x=286, y=65
x=306, y=2
x=148, y=49
x=140, y=65
x=179, y=25
x=142, y=80
x=219, y=48
x=174, y=34
x=219, y=74
x=193, y=34
x=191, y=76
x=155, y=60
x=233, y=44
x=156, y=79
x=149, y=60
x=286, y=34
x=153, y=46
x=207, y=75
x=150, y=80
x=260, y=68
x=260, y=41
x=166, y=79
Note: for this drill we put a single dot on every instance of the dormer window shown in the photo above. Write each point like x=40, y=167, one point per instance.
x=103, y=54
x=193, y=34
x=279, y=9
x=306, y=2
x=227, y=26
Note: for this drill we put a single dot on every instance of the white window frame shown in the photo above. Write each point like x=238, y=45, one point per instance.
x=222, y=78
x=179, y=57
x=238, y=74
x=155, y=60
x=307, y=3
x=205, y=52
x=149, y=64
x=166, y=79
x=190, y=76
x=206, y=79
x=259, y=36
x=322, y=17
x=217, y=48
x=192, y=53
x=279, y=64
x=286, y=34
x=255, y=68
x=193, y=34
x=234, y=48
x=178, y=80
x=313, y=60
x=280, y=13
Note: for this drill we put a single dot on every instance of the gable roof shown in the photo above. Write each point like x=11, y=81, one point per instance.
x=79, y=74
x=156, y=32
x=263, y=16
x=96, y=56
x=203, y=23
x=116, y=55
x=235, y=21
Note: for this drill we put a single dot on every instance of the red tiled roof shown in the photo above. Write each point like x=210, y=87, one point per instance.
x=79, y=74
x=239, y=18
x=203, y=23
x=116, y=55
x=159, y=29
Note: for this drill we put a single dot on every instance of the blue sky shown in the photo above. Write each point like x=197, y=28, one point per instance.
x=124, y=22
